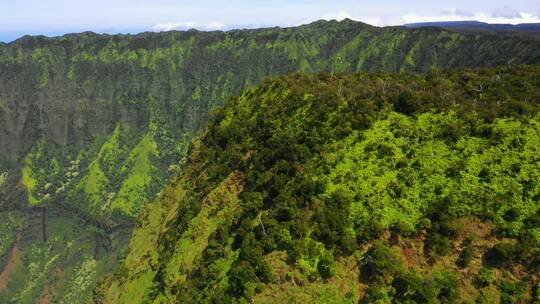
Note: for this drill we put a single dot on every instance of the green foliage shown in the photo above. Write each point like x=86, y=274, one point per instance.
x=9, y=227
x=319, y=165
x=501, y=254
x=3, y=178
x=488, y=296
x=467, y=254
x=333, y=221
x=71, y=246
x=113, y=116
x=378, y=293
x=326, y=265
x=136, y=186
x=315, y=260
x=412, y=288
x=438, y=244
x=438, y=240
x=40, y=262
x=513, y=291
x=383, y=264
x=536, y=294
x=485, y=276
x=79, y=289
x=29, y=182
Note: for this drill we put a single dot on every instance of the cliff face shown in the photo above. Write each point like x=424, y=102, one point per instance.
x=71, y=89
x=65, y=96
x=93, y=126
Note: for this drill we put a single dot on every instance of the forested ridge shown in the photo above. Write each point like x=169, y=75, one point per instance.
x=370, y=188
x=94, y=126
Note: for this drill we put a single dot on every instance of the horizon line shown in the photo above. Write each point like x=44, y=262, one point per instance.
x=232, y=28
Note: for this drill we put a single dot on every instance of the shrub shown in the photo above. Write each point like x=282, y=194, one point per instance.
x=447, y=229
x=405, y=103
x=333, y=221
x=535, y=260
x=264, y=271
x=528, y=248
x=488, y=296
x=438, y=244
x=284, y=239
x=485, y=277
x=403, y=228
x=383, y=263
x=534, y=220
x=372, y=229
x=500, y=254
x=447, y=286
x=536, y=293
x=467, y=254
x=424, y=223
x=239, y=277
x=327, y=265
x=512, y=214
x=411, y=288
x=513, y=292
x=378, y=293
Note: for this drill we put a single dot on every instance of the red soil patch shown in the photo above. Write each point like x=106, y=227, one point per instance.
x=46, y=295
x=11, y=266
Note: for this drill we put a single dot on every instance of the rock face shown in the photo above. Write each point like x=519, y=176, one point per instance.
x=94, y=125
x=531, y=28
x=71, y=89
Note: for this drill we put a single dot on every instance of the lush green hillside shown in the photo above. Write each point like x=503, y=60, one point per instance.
x=337, y=189
x=93, y=126
x=84, y=110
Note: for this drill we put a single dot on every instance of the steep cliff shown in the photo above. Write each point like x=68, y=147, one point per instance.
x=92, y=126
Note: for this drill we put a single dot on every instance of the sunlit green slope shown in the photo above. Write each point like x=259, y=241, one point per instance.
x=387, y=188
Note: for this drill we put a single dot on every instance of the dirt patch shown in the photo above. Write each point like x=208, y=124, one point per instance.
x=11, y=266
x=413, y=253
x=46, y=295
x=291, y=285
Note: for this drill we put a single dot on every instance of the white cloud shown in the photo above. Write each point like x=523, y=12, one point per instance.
x=511, y=17
x=506, y=12
x=457, y=12
x=169, y=26
x=504, y=15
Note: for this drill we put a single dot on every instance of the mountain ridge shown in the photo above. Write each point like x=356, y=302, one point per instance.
x=316, y=23
x=522, y=27
x=94, y=126
x=351, y=189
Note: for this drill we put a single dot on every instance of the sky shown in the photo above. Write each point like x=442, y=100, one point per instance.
x=57, y=17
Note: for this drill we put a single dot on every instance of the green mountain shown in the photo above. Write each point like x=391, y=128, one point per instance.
x=524, y=28
x=94, y=126
x=371, y=188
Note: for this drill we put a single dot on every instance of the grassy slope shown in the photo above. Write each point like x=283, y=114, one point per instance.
x=70, y=271
x=330, y=167
x=139, y=177
x=28, y=181
x=218, y=208
x=64, y=268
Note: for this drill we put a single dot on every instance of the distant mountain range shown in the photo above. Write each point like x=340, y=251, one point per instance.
x=529, y=27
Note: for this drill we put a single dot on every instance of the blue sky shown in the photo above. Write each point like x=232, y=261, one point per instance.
x=56, y=17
